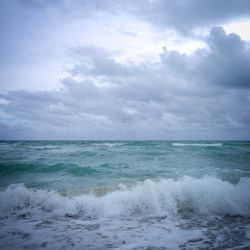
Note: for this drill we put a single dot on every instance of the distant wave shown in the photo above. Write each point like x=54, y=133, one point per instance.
x=45, y=147
x=177, y=144
x=72, y=169
x=208, y=195
x=109, y=144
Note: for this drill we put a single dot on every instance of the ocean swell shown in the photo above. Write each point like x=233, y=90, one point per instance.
x=166, y=197
x=177, y=144
x=72, y=169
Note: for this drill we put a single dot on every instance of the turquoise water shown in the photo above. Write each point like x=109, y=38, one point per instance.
x=125, y=194
x=62, y=165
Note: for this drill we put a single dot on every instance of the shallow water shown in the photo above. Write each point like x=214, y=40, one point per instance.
x=125, y=195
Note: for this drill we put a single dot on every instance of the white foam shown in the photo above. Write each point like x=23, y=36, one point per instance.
x=208, y=195
x=109, y=144
x=45, y=147
x=177, y=144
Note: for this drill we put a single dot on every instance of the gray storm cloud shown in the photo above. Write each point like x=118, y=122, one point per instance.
x=186, y=15
x=181, y=15
x=226, y=62
x=203, y=95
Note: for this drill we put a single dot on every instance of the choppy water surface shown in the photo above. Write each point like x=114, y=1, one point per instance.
x=124, y=195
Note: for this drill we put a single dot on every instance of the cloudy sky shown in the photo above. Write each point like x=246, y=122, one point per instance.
x=116, y=69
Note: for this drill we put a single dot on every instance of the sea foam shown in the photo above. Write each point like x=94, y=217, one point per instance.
x=167, y=197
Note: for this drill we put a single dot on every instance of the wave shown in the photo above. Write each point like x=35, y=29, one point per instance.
x=7, y=145
x=19, y=168
x=48, y=147
x=109, y=144
x=177, y=144
x=167, y=197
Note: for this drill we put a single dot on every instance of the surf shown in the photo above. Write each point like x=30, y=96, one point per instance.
x=166, y=197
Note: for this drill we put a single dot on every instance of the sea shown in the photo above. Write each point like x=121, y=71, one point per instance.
x=151, y=195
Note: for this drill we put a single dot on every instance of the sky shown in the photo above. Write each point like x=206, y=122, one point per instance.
x=133, y=70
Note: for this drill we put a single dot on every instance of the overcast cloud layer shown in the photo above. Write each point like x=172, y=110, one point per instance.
x=115, y=70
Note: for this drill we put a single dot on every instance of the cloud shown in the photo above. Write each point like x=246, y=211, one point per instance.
x=38, y=4
x=230, y=60
x=187, y=15
x=226, y=61
x=182, y=16
x=97, y=61
x=204, y=95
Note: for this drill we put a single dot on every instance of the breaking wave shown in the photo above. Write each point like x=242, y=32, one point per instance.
x=168, y=197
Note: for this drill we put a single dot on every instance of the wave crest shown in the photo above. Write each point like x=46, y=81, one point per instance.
x=177, y=144
x=208, y=195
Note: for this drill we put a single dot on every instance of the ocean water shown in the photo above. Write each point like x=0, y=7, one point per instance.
x=124, y=195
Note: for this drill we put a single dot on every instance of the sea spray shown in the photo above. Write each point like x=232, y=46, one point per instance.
x=208, y=195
